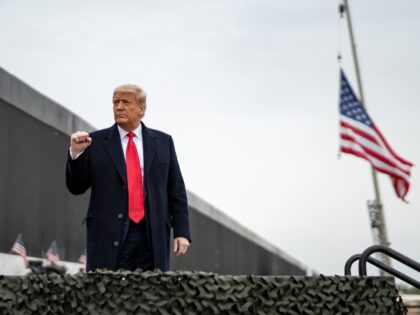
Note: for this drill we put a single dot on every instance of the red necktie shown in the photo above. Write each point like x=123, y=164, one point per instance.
x=134, y=179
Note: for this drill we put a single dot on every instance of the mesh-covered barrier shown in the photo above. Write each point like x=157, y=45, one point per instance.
x=125, y=293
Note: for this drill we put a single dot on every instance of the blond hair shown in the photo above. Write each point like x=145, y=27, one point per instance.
x=141, y=95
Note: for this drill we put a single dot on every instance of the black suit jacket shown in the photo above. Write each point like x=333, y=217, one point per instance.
x=101, y=167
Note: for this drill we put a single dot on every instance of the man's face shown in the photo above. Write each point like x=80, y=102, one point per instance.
x=127, y=111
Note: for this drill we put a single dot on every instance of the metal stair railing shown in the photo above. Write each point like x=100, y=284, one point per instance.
x=365, y=257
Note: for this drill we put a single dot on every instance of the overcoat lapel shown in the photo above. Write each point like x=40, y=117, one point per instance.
x=113, y=147
x=149, y=149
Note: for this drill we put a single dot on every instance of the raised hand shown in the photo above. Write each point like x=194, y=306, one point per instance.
x=79, y=141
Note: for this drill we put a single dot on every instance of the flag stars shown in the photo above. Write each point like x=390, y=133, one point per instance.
x=351, y=107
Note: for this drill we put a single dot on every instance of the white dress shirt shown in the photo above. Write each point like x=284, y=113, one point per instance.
x=138, y=141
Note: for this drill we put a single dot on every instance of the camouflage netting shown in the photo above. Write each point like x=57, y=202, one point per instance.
x=124, y=293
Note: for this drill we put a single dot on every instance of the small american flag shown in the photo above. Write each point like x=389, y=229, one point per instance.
x=360, y=136
x=52, y=253
x=18, y=248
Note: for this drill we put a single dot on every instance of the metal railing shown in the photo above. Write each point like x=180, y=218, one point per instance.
x=364, y=258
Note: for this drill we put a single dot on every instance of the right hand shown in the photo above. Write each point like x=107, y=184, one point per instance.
x=79, y=141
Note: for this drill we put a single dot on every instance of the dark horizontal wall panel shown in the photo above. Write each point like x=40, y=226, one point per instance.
x=216, y=248
x=33, y=197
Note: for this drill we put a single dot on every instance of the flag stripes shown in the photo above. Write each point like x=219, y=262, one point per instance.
x=18, y=248
x=52, y=253
x=359, y=136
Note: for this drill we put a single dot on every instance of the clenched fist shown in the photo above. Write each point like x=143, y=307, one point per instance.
x=79, y=141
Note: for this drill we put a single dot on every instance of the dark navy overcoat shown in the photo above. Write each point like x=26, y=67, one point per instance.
x=101, y=167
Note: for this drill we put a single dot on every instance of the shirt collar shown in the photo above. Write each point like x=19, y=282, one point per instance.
x=123, y=133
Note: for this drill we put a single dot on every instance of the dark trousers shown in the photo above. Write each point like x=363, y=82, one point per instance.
x=135, y=251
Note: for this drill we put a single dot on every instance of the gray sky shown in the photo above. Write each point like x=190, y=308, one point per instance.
x=249, y=91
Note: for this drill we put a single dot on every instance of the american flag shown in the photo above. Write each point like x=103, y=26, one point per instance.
x=18, y=248
x=360, y=136
x=52, y=253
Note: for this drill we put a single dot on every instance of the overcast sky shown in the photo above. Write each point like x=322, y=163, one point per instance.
x=249, y=92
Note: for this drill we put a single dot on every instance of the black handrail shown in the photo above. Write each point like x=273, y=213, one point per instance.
x=373, y=261
x=365, y=257
x=388, y=251
x=380, y=265
x=349, y=263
